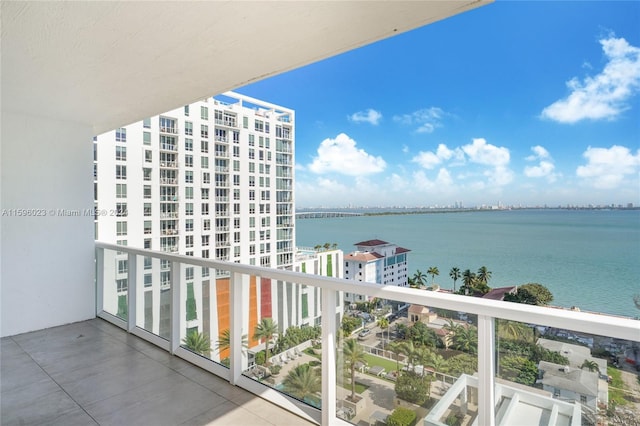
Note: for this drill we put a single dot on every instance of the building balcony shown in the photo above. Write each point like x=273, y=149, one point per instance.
x=227, y=123
x=169, y=164
x=168, y=147
x=481, y=391
x=169, y=130
x=168, y=181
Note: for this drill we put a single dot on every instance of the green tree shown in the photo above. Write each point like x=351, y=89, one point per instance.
x=402, y=416
x=396, y=348
x=483, y=275
x=463, y=363
x=433, y=271
x=266, y=329
x=409, y=350
x=413, y=387
x=455, y=275
x=466, y=340
x=590, y=365
x=353, y=353
x=349, y=324
x=383, y=323
x=514, y=330
x=419, y=279
x=302, y=381
x=197, y=342
x=224, y=341
x=420, y=334
x=468, y=281
x=531, y=294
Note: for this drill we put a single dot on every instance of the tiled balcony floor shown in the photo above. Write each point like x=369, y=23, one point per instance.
x=92, y=372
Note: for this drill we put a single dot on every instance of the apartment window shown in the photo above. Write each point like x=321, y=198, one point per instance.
x=188, y=176
x=186, y=110
x=188, y=160
x=266, y=221
x=188, y=128
x=252, y=140
x=188, y=209
x=204, y=131
x=147, y=263
x=147, y=227
x=164, y=264
x=148, y=158
x=206, y=177
x=147, y=209
x=205, y=240
x=252, y=194
x=188, y=192
x=205, y=270
x=266, y=143
x=146, y=138
x=236, y=151
x=204, y=193
x=205, y=254
x=204, y=162
x=146, y=191
x=121, y=153
x=261, y=141
x=121, y=171
x=252, y=167
x=146, y=123
x=236, y=208
x=147, y=243
x=236, y=223
x=252, y=181
x=206, y=224
x=252, y=153
x=121, y=228
x=146, y=173
x=252, y=249
x=121, y=190
x=188, y=240
x=121, y=209
x=236, y=194
x=148, y=280
x=121, y=135
x=205, y=208
x=188, y=144
x=123, y=267
x=204, y=113
x=236, y=237
x=188, y=273
x=236, y=180
x=188, y=225
x=252, y=222
x=252, y=235
x=266, y=195
x=236, y=136
x=245, y=122
x=261, y=155
x=266, y=127
x=259, y=126
x=204, y=147
x=121, y=285
x=252, y=208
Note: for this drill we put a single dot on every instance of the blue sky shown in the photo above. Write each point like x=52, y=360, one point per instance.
x=523, y=103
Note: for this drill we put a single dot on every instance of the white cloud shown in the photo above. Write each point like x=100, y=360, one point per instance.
x=606, y=168
x=426, y=119
x=545, y=167
x=370, y=116
x=481, y=152
x=429, y=159
x=341, y=155
x=605, y=95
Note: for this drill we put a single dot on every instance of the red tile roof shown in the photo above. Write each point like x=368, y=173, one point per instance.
x=371, y=243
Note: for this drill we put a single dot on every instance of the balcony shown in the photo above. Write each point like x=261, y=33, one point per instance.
x=169, y=130
x=483, y=394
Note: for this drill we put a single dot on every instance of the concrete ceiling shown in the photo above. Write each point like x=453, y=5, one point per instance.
x=108, y=64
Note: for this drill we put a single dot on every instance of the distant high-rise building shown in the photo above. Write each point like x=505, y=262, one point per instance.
x=376, y=261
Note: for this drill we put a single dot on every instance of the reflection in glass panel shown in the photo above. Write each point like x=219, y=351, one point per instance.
x=154, y=295
x=116, y=284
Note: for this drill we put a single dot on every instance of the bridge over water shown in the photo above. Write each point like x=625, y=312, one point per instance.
x=324, y=215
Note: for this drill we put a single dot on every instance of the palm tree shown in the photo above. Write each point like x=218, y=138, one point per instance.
x=419, y=279
x=265, y=329
x=454, y=273
x=396, y=348
x=452, y=329
x=383, y=323
x=466, y=340
x=302, y=381
x=468, y=279
x=353, y=353
x=197, y=342
x=409, y=349
x=484, y=275
x=590, y=365
x=224, y=341
x=433, y=271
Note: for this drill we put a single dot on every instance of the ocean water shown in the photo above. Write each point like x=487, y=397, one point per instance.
x=586, y=258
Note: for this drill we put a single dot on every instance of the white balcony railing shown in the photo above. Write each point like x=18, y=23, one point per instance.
x=238, y=277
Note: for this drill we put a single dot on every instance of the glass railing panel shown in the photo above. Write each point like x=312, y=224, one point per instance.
x=116, y=284
x=283, y=338
x=154, y=295
x=396, y=359
x=554, y=376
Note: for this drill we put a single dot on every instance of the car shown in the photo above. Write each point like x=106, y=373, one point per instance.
x=364, y=333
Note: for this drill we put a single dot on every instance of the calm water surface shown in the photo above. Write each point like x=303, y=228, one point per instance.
x=589, y=259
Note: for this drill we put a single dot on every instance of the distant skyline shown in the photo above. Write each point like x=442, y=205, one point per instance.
x=522, y=103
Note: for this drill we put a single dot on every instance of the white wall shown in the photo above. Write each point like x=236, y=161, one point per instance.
x=47, y=263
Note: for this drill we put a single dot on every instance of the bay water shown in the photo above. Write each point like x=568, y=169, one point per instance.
x=586, y=258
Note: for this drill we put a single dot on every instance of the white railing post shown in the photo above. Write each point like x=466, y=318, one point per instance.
x=329, y=327
x=99, y=280
x=238, y=292
x=176, y=307
x=132, y=288
x=486, y=370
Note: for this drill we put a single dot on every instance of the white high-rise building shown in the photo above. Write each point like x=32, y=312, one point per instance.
x=213, y=179
x=376, y=261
